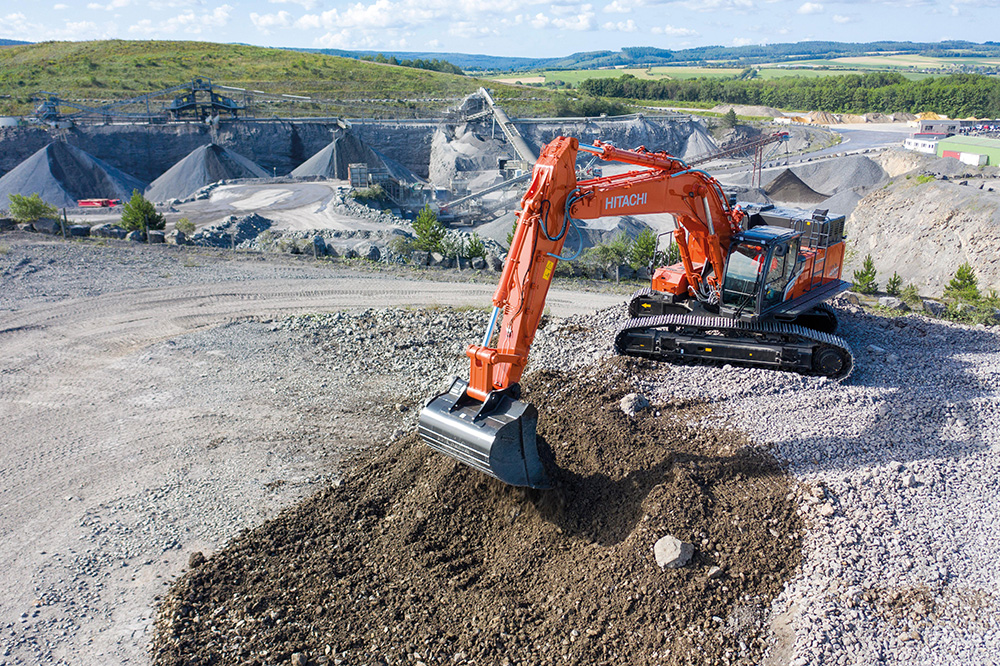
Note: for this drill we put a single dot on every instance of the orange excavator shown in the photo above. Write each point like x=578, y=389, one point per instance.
x=750, y=288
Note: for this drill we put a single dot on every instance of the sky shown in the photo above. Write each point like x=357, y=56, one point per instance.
x=529, y=28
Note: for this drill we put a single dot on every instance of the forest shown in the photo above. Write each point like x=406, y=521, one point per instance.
x=956, y=95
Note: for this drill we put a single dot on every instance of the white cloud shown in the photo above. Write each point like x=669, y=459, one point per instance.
x=621, y=26
x=810, y=8
x=111, y=6
x=17, y=25
x=619, y=7
x=60, y=8
x=268, y=22
x=718, y=5
x=744, y=41
x=309, y=22
x=840, y=18
x=307, y=5
x=189, y=22
x=671, y=31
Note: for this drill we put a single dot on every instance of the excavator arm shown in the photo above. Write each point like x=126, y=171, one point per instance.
x=482, y=422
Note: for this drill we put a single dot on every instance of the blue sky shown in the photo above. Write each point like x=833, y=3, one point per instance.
x=532, y=28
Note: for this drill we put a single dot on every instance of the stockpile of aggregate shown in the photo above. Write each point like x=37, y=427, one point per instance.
x=234, y=231
x=61, y=174
x=203, y=166
x=843, y=173
x=415, y=558
x=334, y=159
x=788, y=187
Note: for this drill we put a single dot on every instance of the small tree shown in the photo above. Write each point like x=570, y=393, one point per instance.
x=643, y=247
x=139, y=214
x=864, y=280
x=28, y=209
x=185, y=226
x=895, y=285
x=612, y=254
x=729, y=121
x=476, y=247
x=963, y=286
x=429, y=230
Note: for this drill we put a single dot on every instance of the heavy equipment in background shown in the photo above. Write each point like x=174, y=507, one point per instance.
x=749, y=288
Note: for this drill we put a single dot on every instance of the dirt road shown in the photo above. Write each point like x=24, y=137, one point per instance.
x=152, y=406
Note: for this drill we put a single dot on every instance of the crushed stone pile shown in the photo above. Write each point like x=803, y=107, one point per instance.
x=788, y=187
x=203, y=166
x=416, y=558
x=842, y=173
x=334, y=159
x=238, y=231
x=61, y=174
x=461, y=149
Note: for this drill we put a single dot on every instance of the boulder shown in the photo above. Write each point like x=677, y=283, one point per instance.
x=368, y=251
x=892, y=303
x=495, y=263
x=420, y=257
x=672, y=553
x=78, y=230
x=437, y=259
x=176, y=237
x=642, y=273
x=136, y=236
x=633, y=403
x=156, y=236
x=478, y=263
x=625, y=272
x=47, y=226
x=934, y=308
x=7, y=224
x=319, y=246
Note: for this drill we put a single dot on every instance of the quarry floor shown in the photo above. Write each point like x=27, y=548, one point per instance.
x=149, y=409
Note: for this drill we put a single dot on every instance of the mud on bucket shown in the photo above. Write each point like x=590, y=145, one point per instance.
x=496, y=437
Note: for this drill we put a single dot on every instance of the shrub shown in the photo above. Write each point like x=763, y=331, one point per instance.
x=476, y=247
x=429, y=230
x=611, y=254
x=139, y=214
x=28, y=209
x=373, y=194
x=643, y=246
x=963, y=286
x=185, y=226
x=864, y=280
x=729, y=121
x=453, y=246
x=910, y=295
x=894, y=285
x=401, y=245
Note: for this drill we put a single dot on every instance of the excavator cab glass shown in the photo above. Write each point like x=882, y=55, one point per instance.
x=761, y=264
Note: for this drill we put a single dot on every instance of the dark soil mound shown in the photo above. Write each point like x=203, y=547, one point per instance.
x=416, y=558
x=203, y=166
x=61, y=174
x=789, y=187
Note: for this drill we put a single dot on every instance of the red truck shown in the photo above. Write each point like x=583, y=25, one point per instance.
x=98, y=203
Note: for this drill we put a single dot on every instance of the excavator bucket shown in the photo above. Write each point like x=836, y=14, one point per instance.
x=496, y=437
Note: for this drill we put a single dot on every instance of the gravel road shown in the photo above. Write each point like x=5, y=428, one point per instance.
x=143, y=424
x=152, y=404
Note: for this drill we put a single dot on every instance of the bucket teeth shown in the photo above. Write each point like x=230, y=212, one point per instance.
x=496, y=437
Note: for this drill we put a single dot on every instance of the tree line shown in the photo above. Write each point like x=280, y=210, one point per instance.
x=417, y=63
x=956, y=95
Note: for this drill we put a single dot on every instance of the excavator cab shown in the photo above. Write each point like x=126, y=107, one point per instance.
x=761, y=265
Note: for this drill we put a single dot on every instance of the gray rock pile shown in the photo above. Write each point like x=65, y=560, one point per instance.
x=61, y=174
x=203, y=166
x=235, y=231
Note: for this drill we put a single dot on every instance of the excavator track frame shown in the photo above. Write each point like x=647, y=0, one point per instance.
x=768, y=344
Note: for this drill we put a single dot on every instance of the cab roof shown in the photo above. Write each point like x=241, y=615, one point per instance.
x=766, y=234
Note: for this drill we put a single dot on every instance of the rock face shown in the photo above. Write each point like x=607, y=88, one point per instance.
x=672, y=553
x=925, y=231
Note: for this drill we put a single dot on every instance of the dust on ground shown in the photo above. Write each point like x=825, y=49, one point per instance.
x=416, y=558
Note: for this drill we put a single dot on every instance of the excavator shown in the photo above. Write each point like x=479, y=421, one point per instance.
x=749, y=289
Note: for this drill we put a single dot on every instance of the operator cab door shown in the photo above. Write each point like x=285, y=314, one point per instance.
x=757, y=275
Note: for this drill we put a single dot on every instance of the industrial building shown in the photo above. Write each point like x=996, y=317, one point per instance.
x=974, y=150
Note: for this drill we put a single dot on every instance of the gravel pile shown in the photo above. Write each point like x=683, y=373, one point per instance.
x=61, y=174
x=845, y=173
x=235, y=231
x=203, y=166
x=334, y=160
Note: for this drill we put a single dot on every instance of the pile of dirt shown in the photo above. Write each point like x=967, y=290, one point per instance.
x=416, y=558
x=789, y=188
x=61, y=174
x=203, y=166
x=334, y=159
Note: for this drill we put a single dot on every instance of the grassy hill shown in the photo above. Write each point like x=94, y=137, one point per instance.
x=97, y=72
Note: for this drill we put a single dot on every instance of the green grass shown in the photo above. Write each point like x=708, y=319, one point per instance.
x=99, y=72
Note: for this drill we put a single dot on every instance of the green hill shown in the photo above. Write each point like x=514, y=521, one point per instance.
x=97, y=72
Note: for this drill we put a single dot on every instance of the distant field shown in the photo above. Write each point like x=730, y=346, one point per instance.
x=576, y=76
